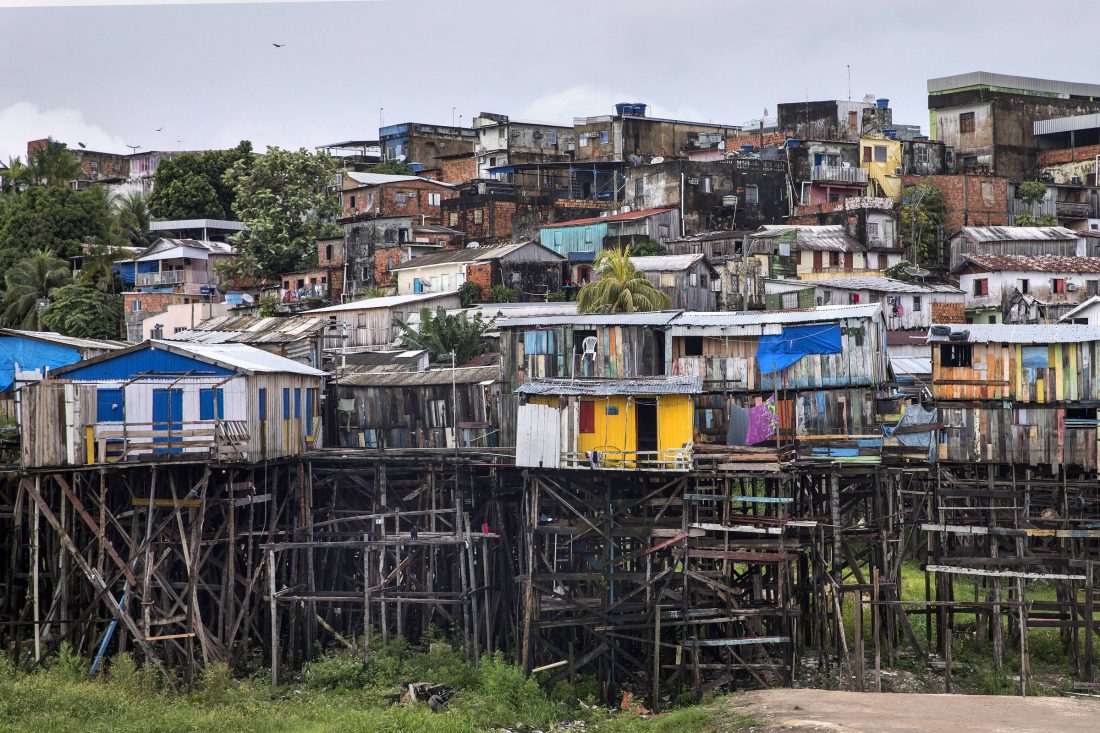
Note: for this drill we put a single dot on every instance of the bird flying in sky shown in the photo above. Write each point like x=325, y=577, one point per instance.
x=278, y=45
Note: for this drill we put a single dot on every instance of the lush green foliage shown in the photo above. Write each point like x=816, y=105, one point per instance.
x=502, y=294
x=285, y=199
x=83, y=311
x=195, y=186
x=36, y=276
x=647, y=249
x=393, y=168
x=470, y=293
x=442, y=333
x=130, y=220
x=1027, y=219
x=53, y=165
x=921, y=219
x=900, y=271
x=1031, y=191
x=621, y=288
x=54, y=218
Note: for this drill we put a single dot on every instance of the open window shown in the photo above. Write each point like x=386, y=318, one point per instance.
x=693, y=345
x=956, y=355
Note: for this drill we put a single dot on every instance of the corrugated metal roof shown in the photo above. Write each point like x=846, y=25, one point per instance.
x=1066, y=124
x=881, y=285
x=665, y=263
x=173, y=225
x=756, y=318
x=379, y=179
x=1087, y=304
x=611, y=387
x=241, y=357
x=651, y=318
x=911, y=365
x=468, y=254
x=1031, y=263
x=56, y=338
x=628, y=216
x=1025, y=83
x=386, y=301
x=1016, y=333
x=251, y=329
x=1017, y=234
x=828, y=237
x=432, y=377
x=166, y=243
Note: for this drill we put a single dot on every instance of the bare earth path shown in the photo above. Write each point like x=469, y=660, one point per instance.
x=802, y=711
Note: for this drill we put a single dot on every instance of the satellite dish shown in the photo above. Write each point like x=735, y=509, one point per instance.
x=473, y=245
x=917, y=272
x=658, y=159
x=246, y=298
x=401, y=158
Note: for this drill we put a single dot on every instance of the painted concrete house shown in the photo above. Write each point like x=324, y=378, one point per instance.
x=1025, y=289
x=160, y=400
x=528, y=268
x=812, y=251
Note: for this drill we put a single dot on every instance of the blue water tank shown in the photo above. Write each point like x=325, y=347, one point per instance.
x=891, y=133
x=624, y=108
x=793, y=142
x=746, y=148
x=882, y=103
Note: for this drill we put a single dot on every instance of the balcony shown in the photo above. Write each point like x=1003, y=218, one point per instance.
x=1072, y=210
x=838, y=174
x=168, y=277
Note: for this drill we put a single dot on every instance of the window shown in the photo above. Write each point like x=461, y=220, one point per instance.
x=956, y=355
x=370, y=200
x=1092, y=287
x=262, y=403
x=853, y=298
x=208, y=398
x=1023, y=285
x=853, y=121
x=587, y=417
x=452, y=219
x=477, y=216
x=433, y=199
x=435, y=282
x=834, y=259
x=366, y=273
x=399, y=198
x=445, y=282
x=603, y=137
x=109, y=405
x=707, y=184
x=916, y=304
x=866, y=153
x=920, y=155
x=880, y=153
x=966, y=122
x=693, y=280
x=551, y=138
x=1057, y=285
x=136, y=306
x=390, y=236
x=286, y=403
x=693, y=346
x=328, y=252
x=779, y=194
x=584, y=140
x=352, y=204
x=872, y=230
x=987, y=191
x=752, y=194
x=538, y=342
x=981, y=286
x=639, y=187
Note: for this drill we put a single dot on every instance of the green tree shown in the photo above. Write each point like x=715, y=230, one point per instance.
x=621, y=288
x=285, y=199
x=33, y=277
x=53, y=164
x=55, y=218
x=442, y=333
x=17, y=176
x=900, y=271
x=502, y=294
x=647, y=249
x=393, y=168
x=920, y=220
x=469, y=293
x=194, y=185
x=1031, y=192
x=1027, y=219
x=83, y=311
x=130, y=222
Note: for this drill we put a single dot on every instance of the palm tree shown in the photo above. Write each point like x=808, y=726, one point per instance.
x=16, y=175
x=621, y=288
x=32, y=278
x=53, y=164
x=131, y=218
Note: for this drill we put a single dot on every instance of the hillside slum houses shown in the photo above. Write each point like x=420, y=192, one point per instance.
x=837, y=389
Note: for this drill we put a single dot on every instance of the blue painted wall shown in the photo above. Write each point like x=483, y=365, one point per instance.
x=148, y=361
x=580, y=238
x=31, y=354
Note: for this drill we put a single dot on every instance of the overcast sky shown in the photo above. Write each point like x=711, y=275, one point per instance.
x=210, y=76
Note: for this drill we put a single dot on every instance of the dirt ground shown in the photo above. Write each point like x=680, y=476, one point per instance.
x=803, y=711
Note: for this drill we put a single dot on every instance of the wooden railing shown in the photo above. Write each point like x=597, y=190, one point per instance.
x=673, y=459
x=114, y=443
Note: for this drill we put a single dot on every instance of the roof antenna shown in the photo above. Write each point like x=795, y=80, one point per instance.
x=849, y=66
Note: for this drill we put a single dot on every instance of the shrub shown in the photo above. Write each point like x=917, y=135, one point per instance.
x=502, y=294
x=470, y=293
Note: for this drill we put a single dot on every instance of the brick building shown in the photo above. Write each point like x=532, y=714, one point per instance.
x=971, y=200
x=378, y=194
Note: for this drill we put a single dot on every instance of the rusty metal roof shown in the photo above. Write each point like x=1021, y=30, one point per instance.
x=471, y=254
x=1031, y=263
x=613, y=387
x=880, y=285
x=828, y=237
x=1017, y=234
x=628, y=216
x=1017, y=333
x=251, y=329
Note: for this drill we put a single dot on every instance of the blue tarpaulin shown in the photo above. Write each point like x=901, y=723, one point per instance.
x=30, y=355
x=126, y=270
x=916, y=415
x=777, y=352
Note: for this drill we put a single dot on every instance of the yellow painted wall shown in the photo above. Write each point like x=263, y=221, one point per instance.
x=883, y=173
x=619, y=432
x=675, y=421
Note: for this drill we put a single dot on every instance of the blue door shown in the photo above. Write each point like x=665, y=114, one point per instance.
x=167, y=415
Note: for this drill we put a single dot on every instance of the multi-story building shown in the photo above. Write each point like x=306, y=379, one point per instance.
x=630, y=136
x=503, y=141
x=422, y=146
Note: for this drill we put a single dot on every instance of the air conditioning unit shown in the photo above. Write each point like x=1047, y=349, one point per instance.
x=1071, y=287
x=1075, y=180
x=693, y=181
x=897, y=171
